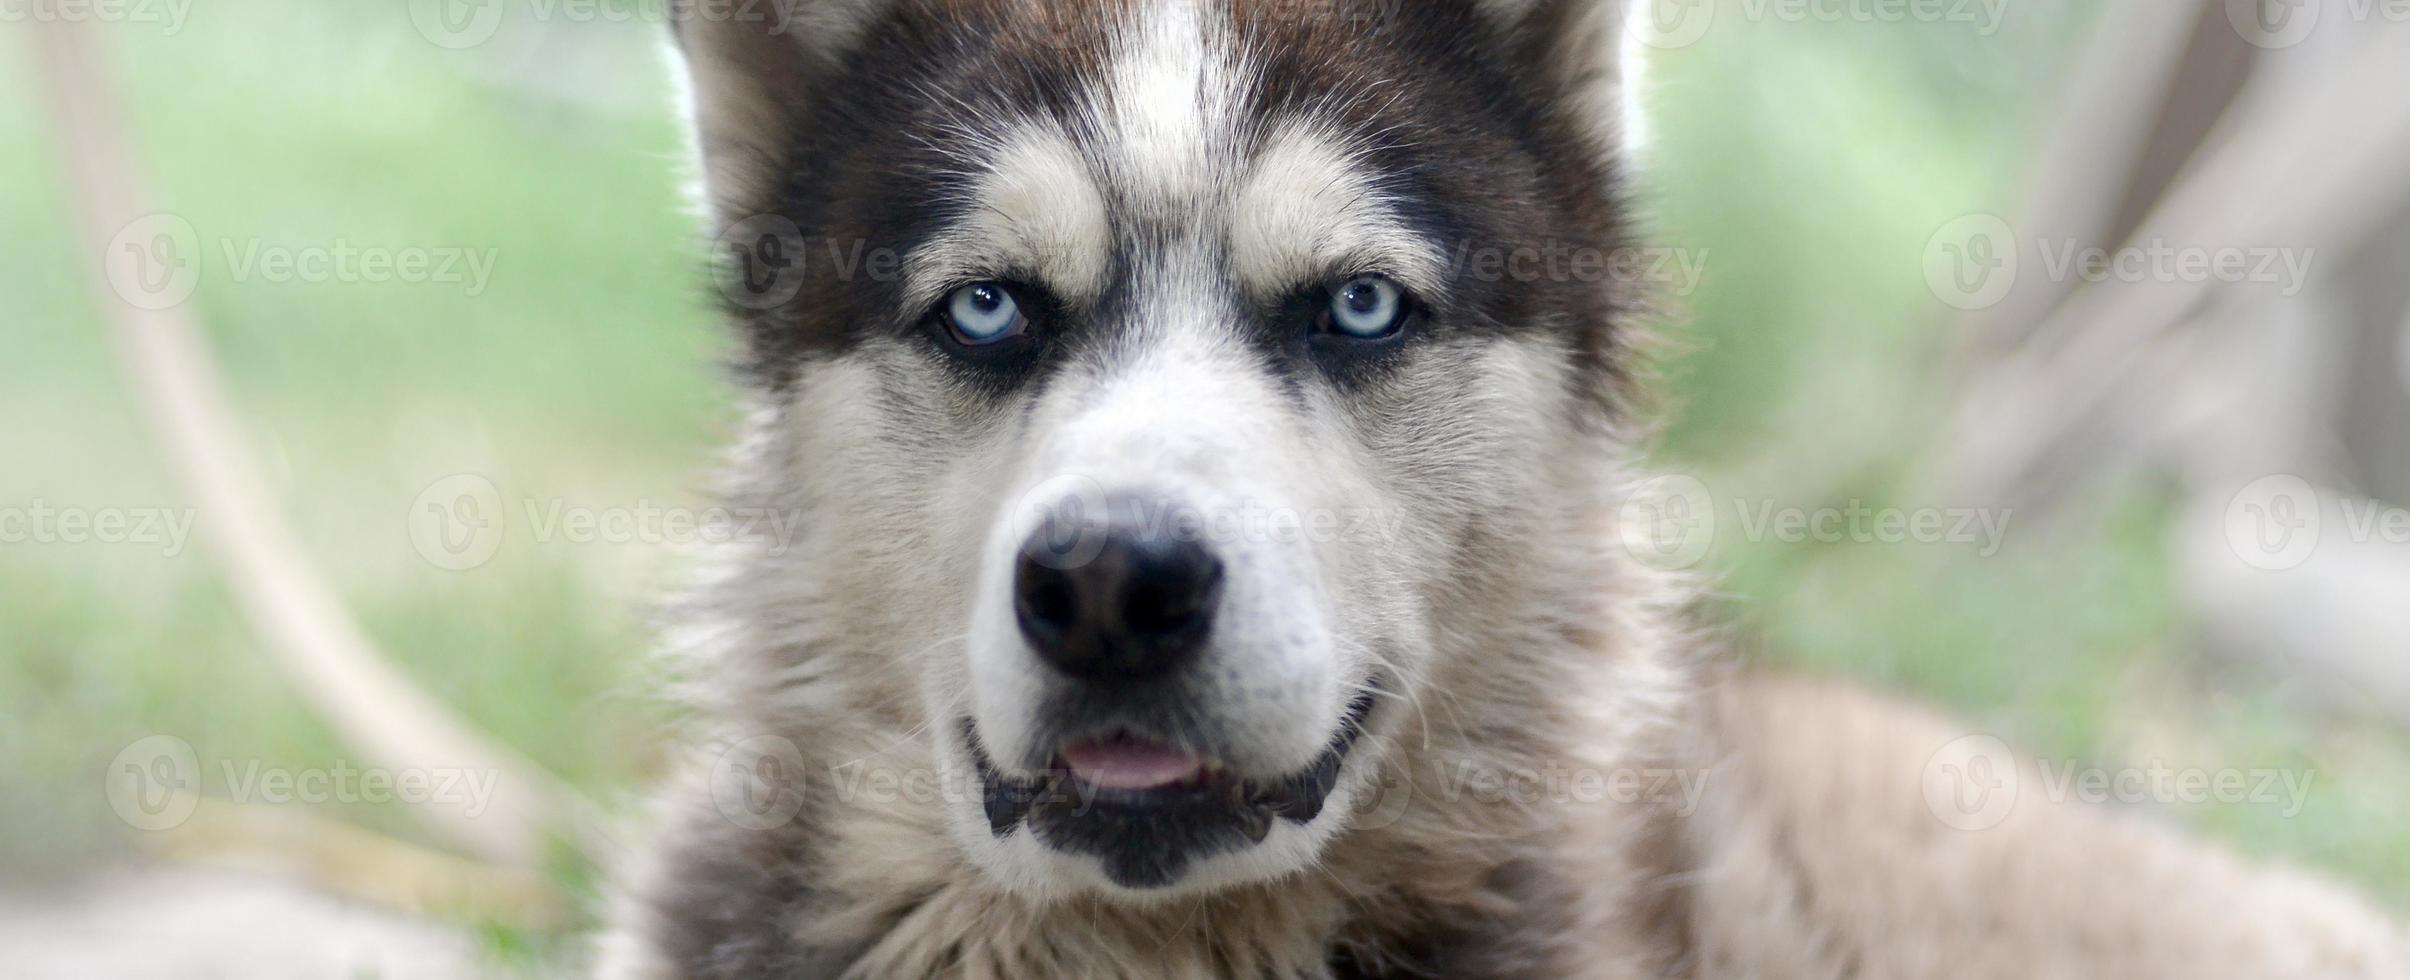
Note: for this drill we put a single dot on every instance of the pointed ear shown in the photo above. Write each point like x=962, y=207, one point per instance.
x=1579, y=55
x=752, y=67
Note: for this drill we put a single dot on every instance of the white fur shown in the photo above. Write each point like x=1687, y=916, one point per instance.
x=1035, y=210
x=1312, y=210
x=1188, y=420
x=1632, y=71
x=1168, y=108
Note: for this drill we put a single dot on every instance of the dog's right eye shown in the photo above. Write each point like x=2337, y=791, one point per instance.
x=983, y=313
x=1367, y=308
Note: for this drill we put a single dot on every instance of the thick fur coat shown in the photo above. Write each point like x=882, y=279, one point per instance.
x=1548, y=774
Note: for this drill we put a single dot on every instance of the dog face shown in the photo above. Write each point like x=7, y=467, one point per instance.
x=1176, y=387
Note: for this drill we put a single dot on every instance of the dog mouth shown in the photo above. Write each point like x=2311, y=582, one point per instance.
x=1130, y=764
x=1146, y=808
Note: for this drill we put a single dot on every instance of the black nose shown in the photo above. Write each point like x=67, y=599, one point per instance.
x=1117, y=597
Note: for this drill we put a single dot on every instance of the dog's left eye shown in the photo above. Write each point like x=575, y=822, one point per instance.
x=1366, y=308
x=983, y=313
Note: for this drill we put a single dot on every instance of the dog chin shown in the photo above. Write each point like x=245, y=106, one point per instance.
x=1141, y=824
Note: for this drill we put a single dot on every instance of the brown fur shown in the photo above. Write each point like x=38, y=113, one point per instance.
x=1819, y=858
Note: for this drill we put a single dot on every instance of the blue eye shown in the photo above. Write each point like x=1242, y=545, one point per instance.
x=1368, y=308
x=983, y=313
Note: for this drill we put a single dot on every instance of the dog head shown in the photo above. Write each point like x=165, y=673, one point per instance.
x=1176, y=387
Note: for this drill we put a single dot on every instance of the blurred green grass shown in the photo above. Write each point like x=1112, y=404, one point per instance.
x=1809, y=164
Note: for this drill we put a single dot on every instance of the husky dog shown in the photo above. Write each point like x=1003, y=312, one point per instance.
x=1212, y=562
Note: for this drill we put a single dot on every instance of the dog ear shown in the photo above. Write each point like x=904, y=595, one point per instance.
x=751, y=68
x=1579, y=53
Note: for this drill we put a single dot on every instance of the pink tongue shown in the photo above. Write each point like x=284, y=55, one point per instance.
x=1130, y=765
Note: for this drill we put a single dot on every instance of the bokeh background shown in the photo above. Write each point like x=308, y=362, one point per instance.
x=1805, y=163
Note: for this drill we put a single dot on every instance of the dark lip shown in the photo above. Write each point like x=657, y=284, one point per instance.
x=1298, y=796
x=1146, y=837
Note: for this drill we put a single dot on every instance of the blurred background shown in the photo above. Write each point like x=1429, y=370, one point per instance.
x=2113, y=293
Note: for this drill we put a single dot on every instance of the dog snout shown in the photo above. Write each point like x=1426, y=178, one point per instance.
x=1118, y=599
